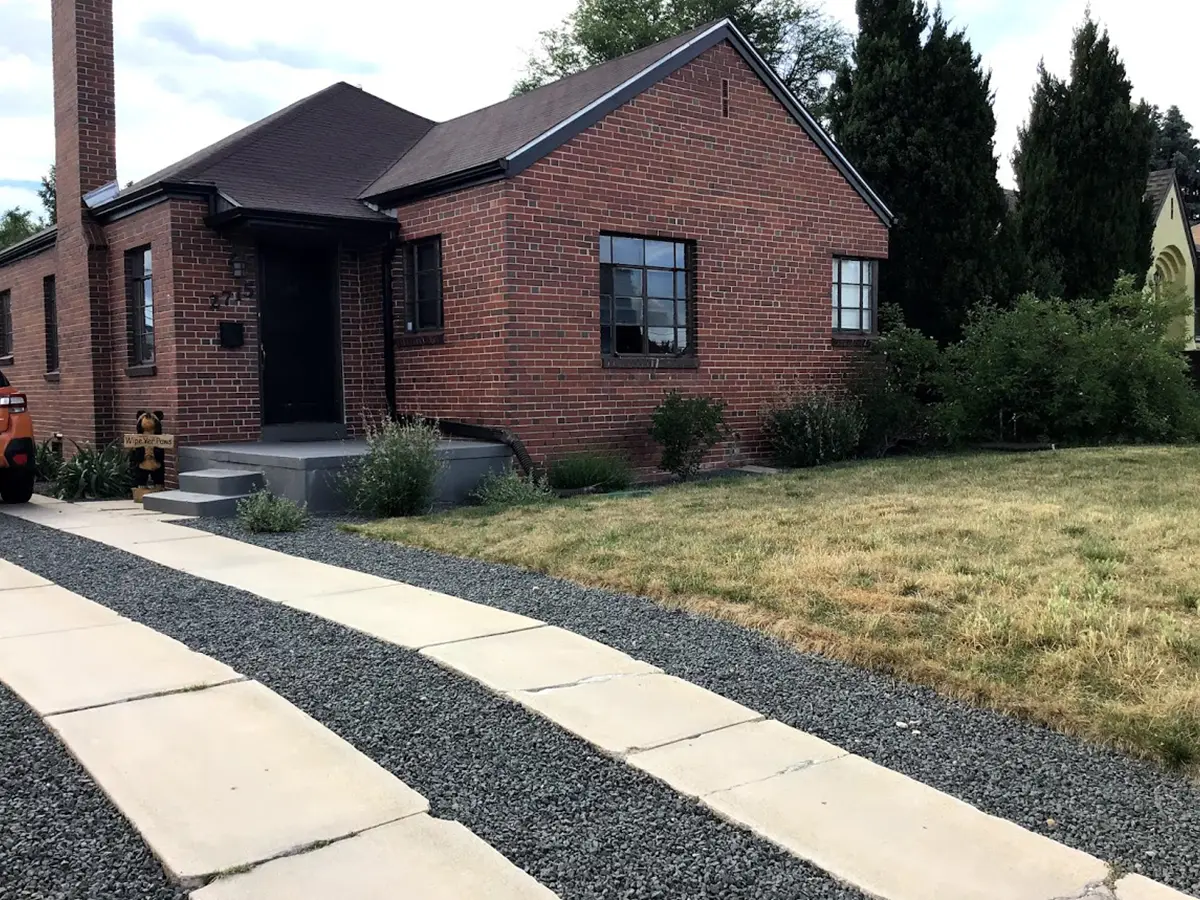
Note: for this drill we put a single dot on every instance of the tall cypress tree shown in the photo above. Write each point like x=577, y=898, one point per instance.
x=1175, y=147
x=1081, y=163
x=914, y=114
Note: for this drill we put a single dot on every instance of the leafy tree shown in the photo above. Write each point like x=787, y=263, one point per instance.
x=49, y=197
x=1081, y=163
x=914, y=113
x=804, y=45
x=1175, y=147
x=16, y=224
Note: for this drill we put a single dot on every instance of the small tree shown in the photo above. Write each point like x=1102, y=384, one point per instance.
x=687, y=428
x=16, y=224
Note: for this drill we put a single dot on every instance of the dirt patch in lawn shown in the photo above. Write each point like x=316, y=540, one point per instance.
x=1061, y=586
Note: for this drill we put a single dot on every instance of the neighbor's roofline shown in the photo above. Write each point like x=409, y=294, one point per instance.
x=553, y=138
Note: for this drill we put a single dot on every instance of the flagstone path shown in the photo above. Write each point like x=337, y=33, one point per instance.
x=866, y=825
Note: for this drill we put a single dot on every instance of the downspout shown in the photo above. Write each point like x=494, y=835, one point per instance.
x=389, y=327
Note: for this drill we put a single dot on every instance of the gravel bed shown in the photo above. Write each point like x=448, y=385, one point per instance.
x=60, y=837
x=583, y=824
x=1114, y=807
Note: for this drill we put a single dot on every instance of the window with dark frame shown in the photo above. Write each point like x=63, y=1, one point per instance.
x=645, y=296
x=50, y=308
x=6, y=326
x=424, y=294
x=854, y=285
x=139, y=280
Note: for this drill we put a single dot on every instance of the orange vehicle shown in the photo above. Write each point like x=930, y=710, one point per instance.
x=17, y=452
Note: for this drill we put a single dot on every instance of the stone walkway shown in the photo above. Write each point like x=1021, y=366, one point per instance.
x=868, y=826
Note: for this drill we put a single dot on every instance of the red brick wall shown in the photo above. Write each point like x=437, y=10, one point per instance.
x=765, y=207
x=361, y=298
x=23, y=280
x=464, y=378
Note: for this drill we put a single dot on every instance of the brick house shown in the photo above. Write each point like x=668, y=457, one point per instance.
x=550, y=265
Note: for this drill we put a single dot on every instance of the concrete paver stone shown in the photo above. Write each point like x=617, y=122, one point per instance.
x=635, y=712
x=229, y=776
x=1139, y=887
x=292, y=581
x=733, y=756
x=418, y=857
x=14, y=577
x=413, y=617
x=64, y=670
x=894, y=837
x=133, y=530
x=207, y=554
x=25, y=611
x=535, y=659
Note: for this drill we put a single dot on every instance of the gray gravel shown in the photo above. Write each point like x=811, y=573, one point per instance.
x=60, y=837
x=584, y=825
x=1106, y=804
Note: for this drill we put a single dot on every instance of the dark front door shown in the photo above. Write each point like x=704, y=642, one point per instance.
x=299, y=339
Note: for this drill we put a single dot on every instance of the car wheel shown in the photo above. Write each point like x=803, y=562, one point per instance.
x=16, y=487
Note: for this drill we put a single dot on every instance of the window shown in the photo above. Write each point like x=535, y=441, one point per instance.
x=854, y=295
x=141, y=307
x=424, y=294
x=6, y=328
x=50, y=307
x=645, y=292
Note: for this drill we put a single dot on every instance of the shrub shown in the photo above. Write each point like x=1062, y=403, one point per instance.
x=93, y=474
x=398, y=474
x=511, y=488
x=686, y=428
x=49, y=460
x=1082, y=372
x=814, y=428
x=897, y=389
x=265, y=513
x=601, y=471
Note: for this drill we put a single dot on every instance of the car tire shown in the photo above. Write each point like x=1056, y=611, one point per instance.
x=16, y=487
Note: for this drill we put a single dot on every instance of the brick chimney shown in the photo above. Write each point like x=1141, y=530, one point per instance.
x=85, y=138
x=85, y=114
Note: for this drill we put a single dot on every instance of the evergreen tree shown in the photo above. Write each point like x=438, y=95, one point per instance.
x=47, y=194
x=795, y=37
x=1176, y=148
x=914, y=114
x=16, y=224
x=1081, y=163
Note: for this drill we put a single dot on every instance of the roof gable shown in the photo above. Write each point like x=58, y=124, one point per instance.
x=1158, y=188
x=506, y=138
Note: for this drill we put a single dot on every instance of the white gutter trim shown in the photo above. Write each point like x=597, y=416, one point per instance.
x=600, y=101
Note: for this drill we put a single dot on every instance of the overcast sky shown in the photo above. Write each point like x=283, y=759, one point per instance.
x=189, y=73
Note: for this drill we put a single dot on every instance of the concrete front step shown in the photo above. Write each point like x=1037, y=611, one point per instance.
x=221, y=482
x=192, y=503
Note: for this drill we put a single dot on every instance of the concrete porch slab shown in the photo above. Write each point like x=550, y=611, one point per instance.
x=531, y=660
x=893, y=837
x=634, y=712
x=411, y=616
x=418, y=857
x=733, y=756
x=65, y=670
x=230, y=776
x=13, y=577
x=38, y=610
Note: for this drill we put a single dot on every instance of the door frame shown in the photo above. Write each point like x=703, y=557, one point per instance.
x=301, y=431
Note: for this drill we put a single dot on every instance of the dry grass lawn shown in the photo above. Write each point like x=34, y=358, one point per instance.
x=1060, y=586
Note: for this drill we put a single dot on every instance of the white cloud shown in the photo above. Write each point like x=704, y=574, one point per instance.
x=444, y=59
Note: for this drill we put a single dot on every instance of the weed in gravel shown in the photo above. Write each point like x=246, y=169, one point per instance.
x=265, y=513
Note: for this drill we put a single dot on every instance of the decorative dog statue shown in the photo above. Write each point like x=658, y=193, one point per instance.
x=148, y=468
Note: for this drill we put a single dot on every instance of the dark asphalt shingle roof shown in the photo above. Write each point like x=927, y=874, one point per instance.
x=1158, y=187
x=494, y=132
x=311, y=157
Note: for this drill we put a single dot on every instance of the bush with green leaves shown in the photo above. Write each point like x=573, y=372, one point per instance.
x=897, y=388
x=92, y=474
x=511, y=488
x=1080, y=372
x=814, y=428
x=48, y=460
x=266, y=513
x=598, y=471
x=686, y=428
x=397, y=476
